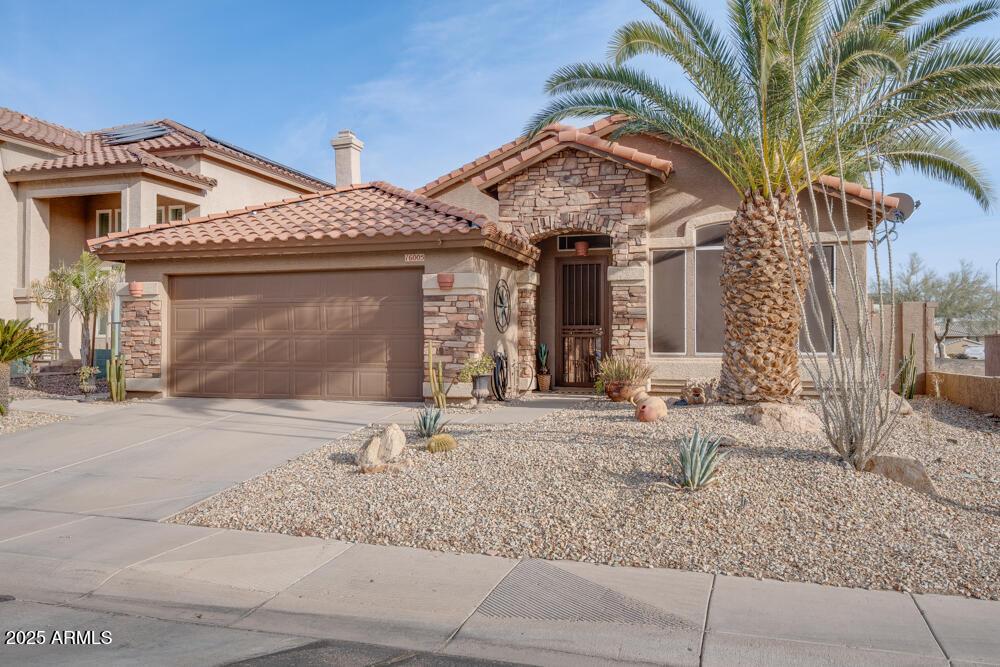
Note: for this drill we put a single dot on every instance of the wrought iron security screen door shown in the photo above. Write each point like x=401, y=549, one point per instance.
x=582, y=311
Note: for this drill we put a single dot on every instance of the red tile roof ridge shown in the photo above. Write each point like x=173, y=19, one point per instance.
x=37, y=130
x=110, y=156
x=858, y=190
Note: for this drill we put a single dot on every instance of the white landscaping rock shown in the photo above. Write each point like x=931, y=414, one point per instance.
x=381, y=450
x=898, y=402
x=906, y=471
x=785, y=417
x=393, y=442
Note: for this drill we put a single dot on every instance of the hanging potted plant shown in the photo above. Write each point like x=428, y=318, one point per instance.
x=544, y=379
x=478, y=371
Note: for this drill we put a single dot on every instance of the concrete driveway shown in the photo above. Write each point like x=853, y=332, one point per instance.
x=151, y=460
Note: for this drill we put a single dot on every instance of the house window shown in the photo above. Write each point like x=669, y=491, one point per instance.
x=568, y=242
x=108, y=221
x=102, y=324
x=161, y=214
x=708, y=292
x=822, y=299
x=176, y=213
x=668, y=304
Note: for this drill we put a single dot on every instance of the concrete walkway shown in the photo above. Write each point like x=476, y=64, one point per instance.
x=81, y=549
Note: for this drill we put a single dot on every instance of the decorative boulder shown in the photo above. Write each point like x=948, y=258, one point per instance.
x=699, y=391
x=650, y=410
x=393, y=442
x=381, y=450
x=786, y=417
x=908, y=472
x=898, y=402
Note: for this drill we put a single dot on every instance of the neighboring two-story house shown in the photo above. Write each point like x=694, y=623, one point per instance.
x=62, y=187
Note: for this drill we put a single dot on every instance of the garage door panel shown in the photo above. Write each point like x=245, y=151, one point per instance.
x=187, y=320
x=334, y=335
x=245, y=318
x=276, y=350
x=309, y=351
x=307, y=318
x=186, y=349
x=372, y=351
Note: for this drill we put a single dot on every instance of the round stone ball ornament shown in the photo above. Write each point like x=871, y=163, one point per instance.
x=501, y=305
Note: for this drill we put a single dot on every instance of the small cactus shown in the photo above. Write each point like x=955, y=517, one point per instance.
x=697, y=460
x=442, y=442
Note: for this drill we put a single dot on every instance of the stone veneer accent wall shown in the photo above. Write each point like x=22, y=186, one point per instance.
x=453, y=324
x=576, y=191
x=141, y=336
x=527, y=327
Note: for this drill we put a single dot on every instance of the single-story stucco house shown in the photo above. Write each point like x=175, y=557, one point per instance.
x=591, y=245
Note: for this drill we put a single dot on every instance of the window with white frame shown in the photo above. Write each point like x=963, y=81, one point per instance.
x=708, y=291
x=107, y=221
x=161, y=214
x=102, y=324
x=822, y=321
x=175, y=213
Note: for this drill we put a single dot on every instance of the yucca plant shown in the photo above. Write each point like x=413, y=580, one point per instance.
x=18, y=340
x=629, y=370
x=430, y=422
x=698, y=457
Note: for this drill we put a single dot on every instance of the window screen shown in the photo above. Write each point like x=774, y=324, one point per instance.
x=708, y=300
x=823, y=300
x=668, y=301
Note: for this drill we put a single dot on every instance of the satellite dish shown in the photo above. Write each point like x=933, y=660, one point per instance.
x=905, y=209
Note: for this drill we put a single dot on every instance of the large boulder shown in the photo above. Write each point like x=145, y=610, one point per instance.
x=393, y=442
x=787, y=417
x=908, y=472
x=651, y=409
x=381, y=450
x=897, y=402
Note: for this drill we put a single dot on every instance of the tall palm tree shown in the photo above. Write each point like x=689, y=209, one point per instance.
x=797, y=90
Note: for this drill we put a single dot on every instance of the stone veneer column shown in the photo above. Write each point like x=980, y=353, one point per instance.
x=527, y=323
x=453, y=325
x=574, y=191
x=141, y=338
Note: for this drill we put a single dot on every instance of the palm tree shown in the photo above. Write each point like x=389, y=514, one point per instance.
x=18, y=340
x=797, y=90
x=88, y=288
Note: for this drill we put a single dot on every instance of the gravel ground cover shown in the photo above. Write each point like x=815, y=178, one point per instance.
x=51, y=386
x=22, y=420
x=587, y=483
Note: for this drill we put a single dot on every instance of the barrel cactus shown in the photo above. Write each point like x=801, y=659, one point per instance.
x=442, y=442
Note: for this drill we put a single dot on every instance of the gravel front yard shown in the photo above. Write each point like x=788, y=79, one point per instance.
x=584, y=484
x=21, y=420
x=48, y=386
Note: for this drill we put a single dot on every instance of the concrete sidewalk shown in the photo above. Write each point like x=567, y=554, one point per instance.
x=282, y=592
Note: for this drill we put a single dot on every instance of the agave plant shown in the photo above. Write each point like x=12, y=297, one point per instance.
x=629, y=370
x=697, y=459
x=429, y=422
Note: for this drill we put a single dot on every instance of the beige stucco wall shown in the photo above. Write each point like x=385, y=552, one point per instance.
x=469, y=196
x=236, y=187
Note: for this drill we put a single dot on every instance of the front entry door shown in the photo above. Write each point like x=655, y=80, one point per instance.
x=582, y=317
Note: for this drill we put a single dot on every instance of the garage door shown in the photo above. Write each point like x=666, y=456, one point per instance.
x=330, y=335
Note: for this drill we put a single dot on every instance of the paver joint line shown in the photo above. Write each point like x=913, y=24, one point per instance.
x=930, y=629
x=473, y=613
x=42, y=530
x=704, y=624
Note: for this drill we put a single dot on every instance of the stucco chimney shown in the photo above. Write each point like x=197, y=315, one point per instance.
x=347, y=157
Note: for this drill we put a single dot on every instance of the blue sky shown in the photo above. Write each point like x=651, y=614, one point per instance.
x=427, y=85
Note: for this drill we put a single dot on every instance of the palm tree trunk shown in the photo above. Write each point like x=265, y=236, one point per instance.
x=4, y=387
x=761, y=311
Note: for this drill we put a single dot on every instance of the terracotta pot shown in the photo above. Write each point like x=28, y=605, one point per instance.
x=620, y=391
x=446, y=280
x=135, y=288
x=581, y=248
x=544, y=382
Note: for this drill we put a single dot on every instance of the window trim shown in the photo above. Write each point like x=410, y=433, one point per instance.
x=170, y=212
x=833, y=310
x=697, y=352
x=97, y=221
x=652, y=306
x=161, y=214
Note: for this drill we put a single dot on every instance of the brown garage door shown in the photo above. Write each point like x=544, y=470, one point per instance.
x=331, y=334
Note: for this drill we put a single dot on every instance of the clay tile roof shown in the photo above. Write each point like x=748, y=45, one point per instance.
x=36, y=130
x=99, y=157
x=833, y=185
x=581, y=140
x=367, y=211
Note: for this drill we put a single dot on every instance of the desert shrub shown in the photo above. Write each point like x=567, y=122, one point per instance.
x=629, y=370
x=442, y=442
x=476, y=366
x=429, y=422
x=698, y=458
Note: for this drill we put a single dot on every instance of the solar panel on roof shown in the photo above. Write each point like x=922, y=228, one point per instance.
x=265, y=159
x=130, y=134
